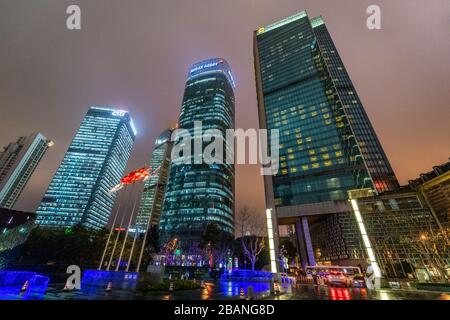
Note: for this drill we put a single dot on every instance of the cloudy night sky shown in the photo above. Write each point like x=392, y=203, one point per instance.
x=135, y=55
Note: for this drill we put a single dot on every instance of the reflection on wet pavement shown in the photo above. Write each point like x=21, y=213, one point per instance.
x=315, y=292
x=230, y=290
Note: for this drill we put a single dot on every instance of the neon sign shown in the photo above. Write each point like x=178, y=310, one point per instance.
x=204, y=66
x=119, y=113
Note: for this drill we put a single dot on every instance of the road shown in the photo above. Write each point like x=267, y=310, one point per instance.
x=314, y=292
x=231, y=291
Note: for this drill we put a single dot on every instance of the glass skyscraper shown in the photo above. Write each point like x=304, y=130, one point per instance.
x=327, y=144
x=18, y=160
x=200, y=193
x=93, y=164
x=155, y=187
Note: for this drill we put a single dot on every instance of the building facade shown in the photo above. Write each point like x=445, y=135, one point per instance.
x=327, y=143
x=152, y=198
x=18, y=160
x=404, y=237
x=93, y=164
x=199, y=193
x=434, y=188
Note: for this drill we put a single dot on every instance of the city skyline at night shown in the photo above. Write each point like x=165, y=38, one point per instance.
x=199, y=153
x=385, y=82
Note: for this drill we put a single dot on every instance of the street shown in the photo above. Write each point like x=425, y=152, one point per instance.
x=231, y=291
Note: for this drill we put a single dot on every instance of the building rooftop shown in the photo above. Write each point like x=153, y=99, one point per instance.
x=425, y=177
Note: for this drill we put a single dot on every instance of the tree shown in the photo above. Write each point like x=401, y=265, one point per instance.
x=216, y=243
x=432, y=246
x=288, y=251
x=76, y=245
x=252, y=231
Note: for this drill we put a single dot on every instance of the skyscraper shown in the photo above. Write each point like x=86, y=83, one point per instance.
x=200, y=193
x=93, y=164
x=327, y=144
x=18, y=160
x=155, y=187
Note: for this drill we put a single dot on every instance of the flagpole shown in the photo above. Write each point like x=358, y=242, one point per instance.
x=134, y=243
x=115, y=242
x=109, y=236
x=128, y=228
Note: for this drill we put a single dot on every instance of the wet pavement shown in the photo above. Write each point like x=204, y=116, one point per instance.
x=231, y=290
x=316, y=292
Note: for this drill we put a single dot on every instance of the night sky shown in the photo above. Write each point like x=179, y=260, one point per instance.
x=135, y=55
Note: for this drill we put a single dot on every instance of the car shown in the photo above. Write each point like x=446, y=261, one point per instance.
x=338, y=279
x=359, y=282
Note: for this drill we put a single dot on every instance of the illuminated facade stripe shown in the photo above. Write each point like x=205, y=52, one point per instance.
x=270, y=234
x=366, y=241
x=283, y=22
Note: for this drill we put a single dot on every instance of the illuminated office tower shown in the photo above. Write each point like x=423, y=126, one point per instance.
x=18, y=160
x=93, y=164
x=200, y=193
x=155, y=187
x=327, y=143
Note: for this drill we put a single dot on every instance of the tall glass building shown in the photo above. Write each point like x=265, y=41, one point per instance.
x=327, y=143
x=18, y=160
x=155, y=187
x=93, y=164
x=200, y=193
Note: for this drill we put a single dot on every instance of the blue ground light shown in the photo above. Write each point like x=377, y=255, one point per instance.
x=232, y=288
x=101, y=278
x=11, y=283
x=244, y=274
